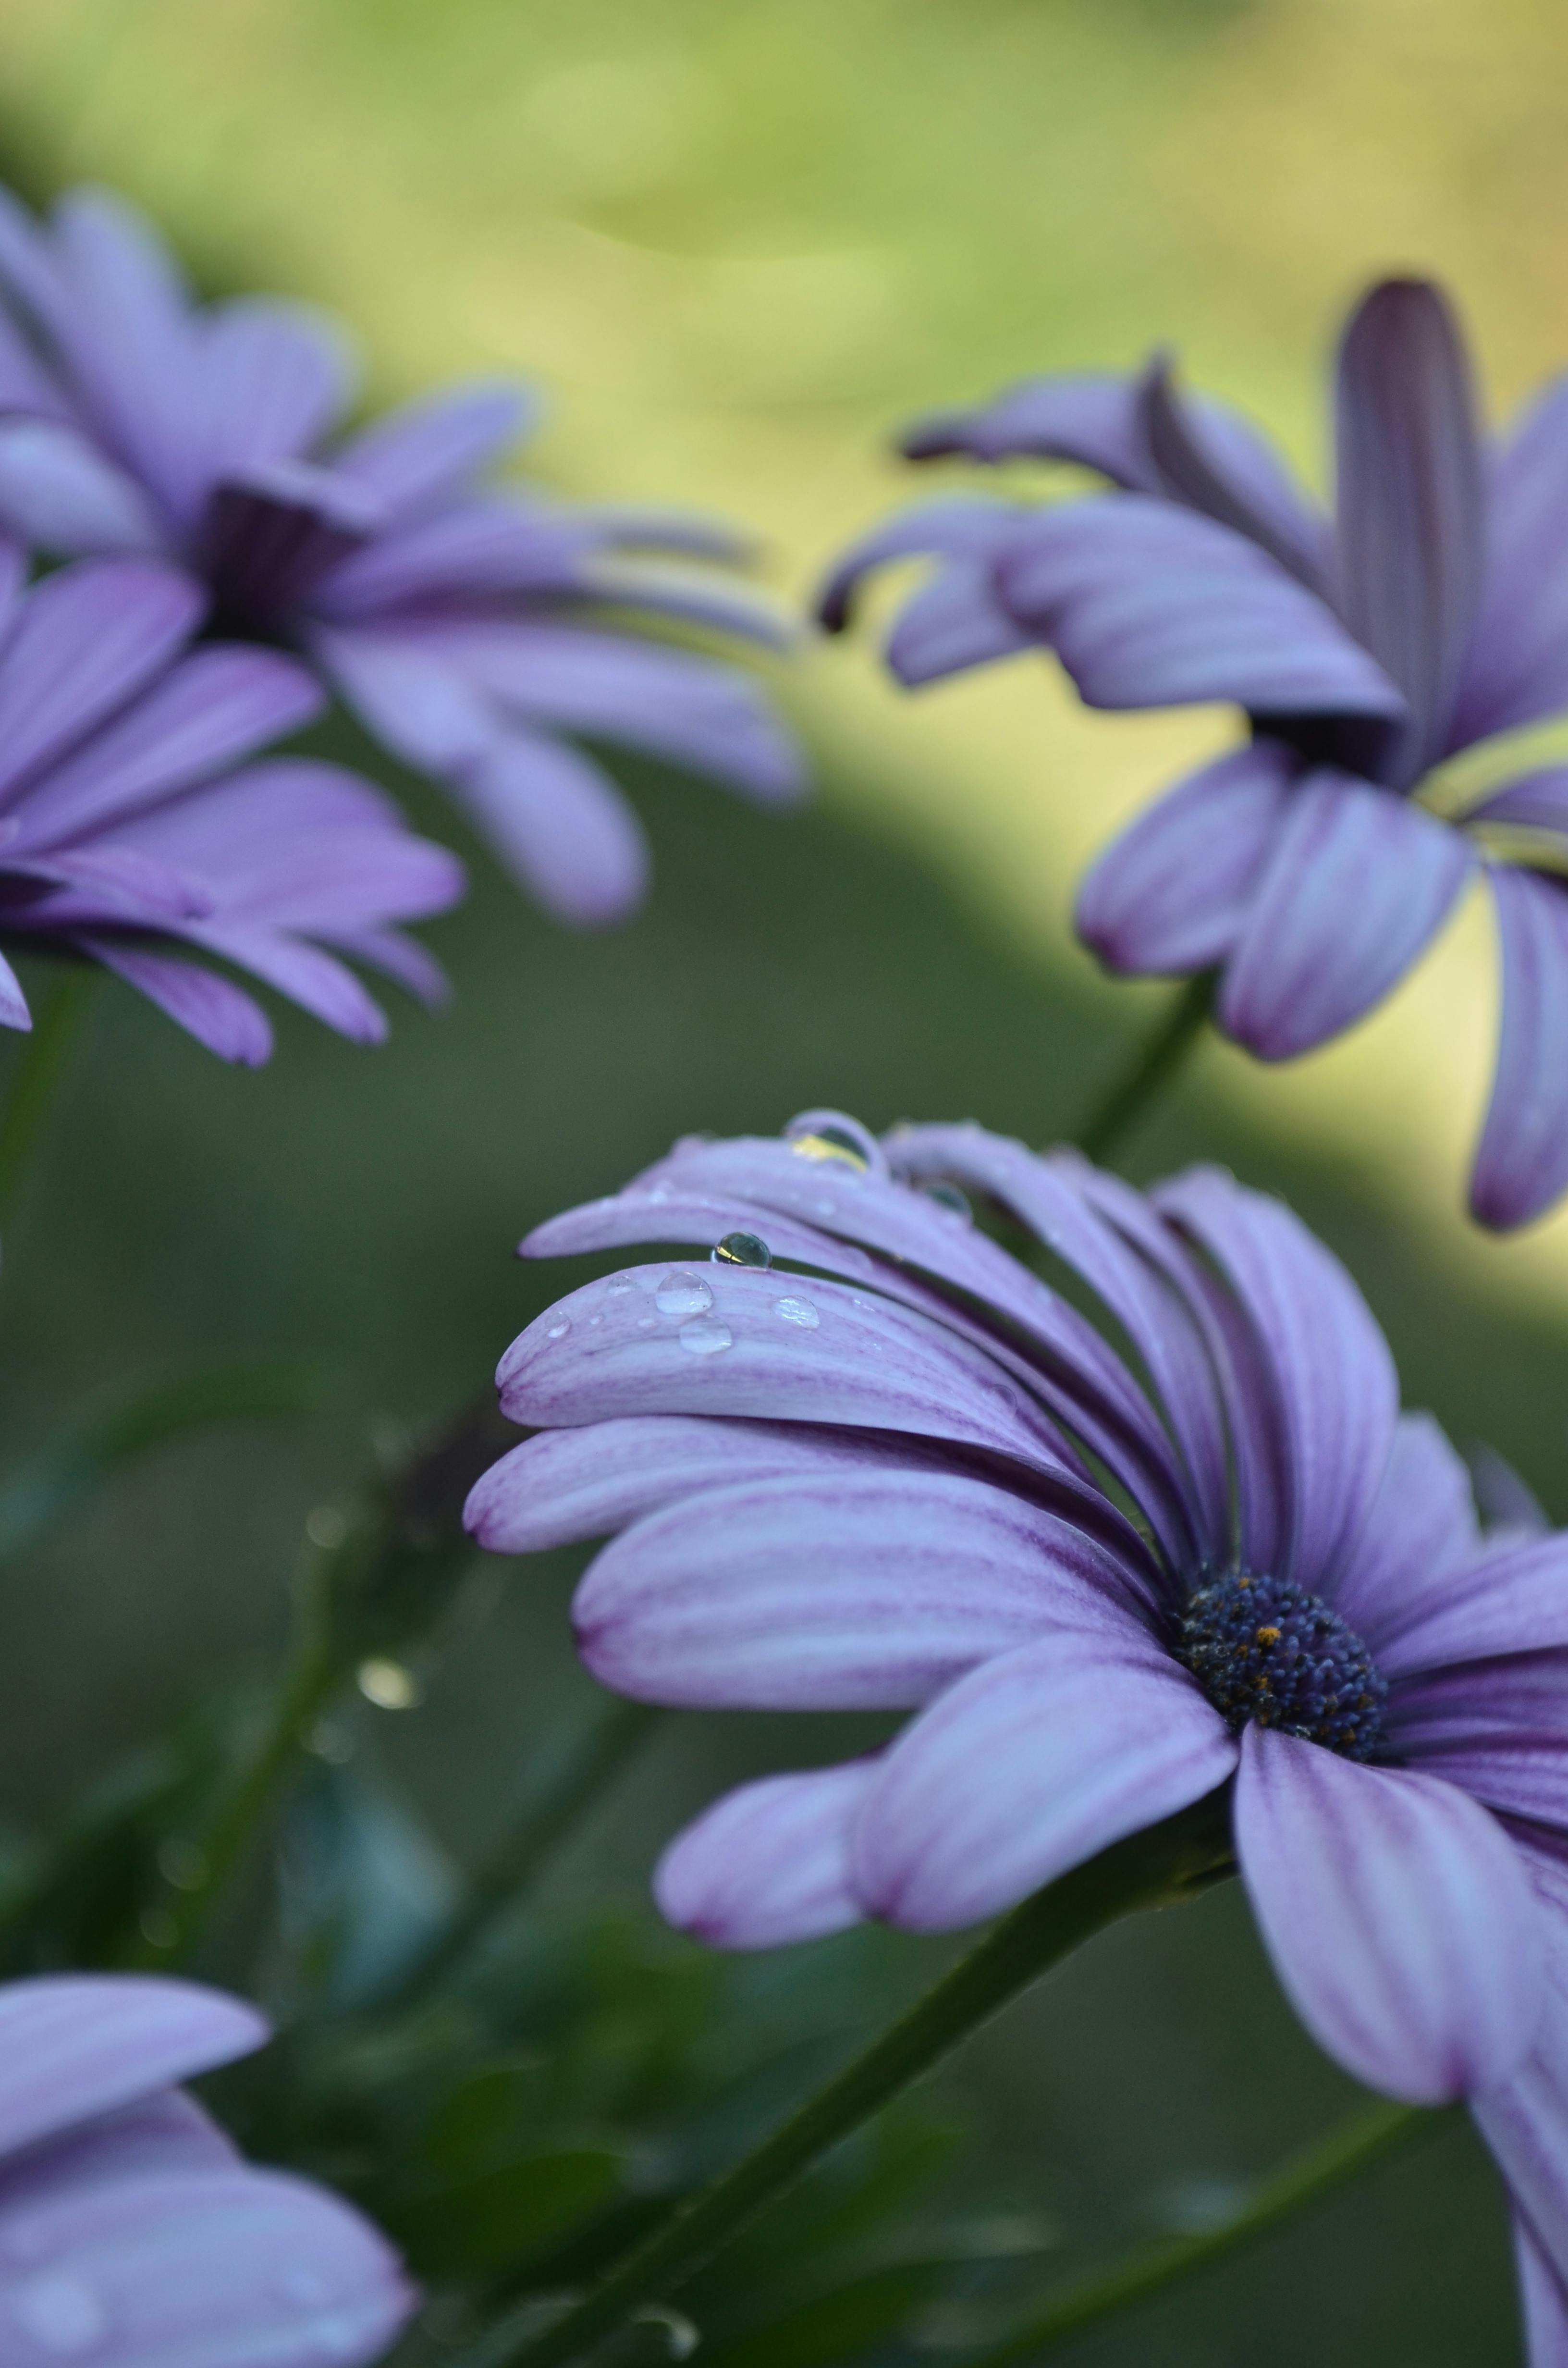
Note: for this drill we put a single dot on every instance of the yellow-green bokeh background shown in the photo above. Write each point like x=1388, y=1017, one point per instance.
x=736, y=240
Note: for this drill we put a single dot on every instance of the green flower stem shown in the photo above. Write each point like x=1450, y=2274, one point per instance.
x=44, y=1058
x=1154, y=1066
x=1166, y=1862
x=580, y=1777
x=1363, y=2138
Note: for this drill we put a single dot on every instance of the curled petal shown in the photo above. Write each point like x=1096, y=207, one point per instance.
x=1398, y=1914
x=769, y=1864
x=1173, y=894
x=1521, y=1166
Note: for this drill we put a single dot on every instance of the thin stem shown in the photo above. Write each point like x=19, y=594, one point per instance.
x=38, y=1074
x=583, y=1775
x=1163, y=1863
x=1365, y=2138
x=1155, y=1062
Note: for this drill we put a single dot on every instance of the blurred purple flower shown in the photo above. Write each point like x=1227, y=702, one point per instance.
x=132, y=2234
x=125, y=830
x=881, y=1486
x=470, y=629
x=1429, y=613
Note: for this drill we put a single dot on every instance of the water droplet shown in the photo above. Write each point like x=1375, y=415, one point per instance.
x=647, y=1322
x=60, y=2313
x=797, y=1311
x=593, y=1320
x=949, y=1197
x=742, y=1249
x=824, y=1207
x=681, y=2336
x=683, y=1294
x=560, y=1328
x=703, y=1337
x=831, y=1134
x=387, y=1684
x=619, y=1286
x=659, y=1195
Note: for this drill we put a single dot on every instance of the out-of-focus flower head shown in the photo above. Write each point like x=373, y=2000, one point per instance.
x=1429, y=613
x=916, y=1477
x=473, y=631
x=132, y=2233
x=130, y=825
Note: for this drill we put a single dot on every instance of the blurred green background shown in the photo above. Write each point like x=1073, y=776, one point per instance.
x=736, y=244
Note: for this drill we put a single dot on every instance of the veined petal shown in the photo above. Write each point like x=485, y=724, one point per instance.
x=224, y=2268
x=1521, y=1166
x=1511, y=1598
x=849, y=1591
x=433, y=447
x=1173, y=894
x=1026, y=1767
x=1515, y=667
x=273, y=380
x=1419, y=1538
x=953, y=623
x=867, y=1363
x=1523, y=2118
x=1149, y=605
x=65, y=497
x=1497, y=1728
x=769, y=1864
x=967, y=530
x=1333, y=1393
x=14, y=1012
x=559, y=825
x=1409, y=519
x=213, y=1009
x=75, y=2045
x=1214, y=462
x=165, y=2132
x=1398, y=1915
x=1544, y=2299
x=1356, y=883
x=84, y=641
x=1088, y=417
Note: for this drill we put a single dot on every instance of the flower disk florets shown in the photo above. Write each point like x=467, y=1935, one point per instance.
x=1265, y=1650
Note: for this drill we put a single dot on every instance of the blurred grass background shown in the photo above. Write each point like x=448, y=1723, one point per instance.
x=736, y=244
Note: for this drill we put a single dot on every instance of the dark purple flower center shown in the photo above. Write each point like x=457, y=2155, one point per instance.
x=1265, y=1649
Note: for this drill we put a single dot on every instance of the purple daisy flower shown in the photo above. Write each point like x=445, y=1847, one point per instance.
x=919, y=1477
x=1429, y=613
x=126, y=830
x=132, y=2233
x=470, y=630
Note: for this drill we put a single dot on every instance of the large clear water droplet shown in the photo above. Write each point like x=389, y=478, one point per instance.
x=60, y=2313
x=797, y=1311
x=831, y=1134
x=703, y=1337
x=951, y=1198
x=619, y=1286
x=559, y=1329
x=742, y=1249
x=683, y=1294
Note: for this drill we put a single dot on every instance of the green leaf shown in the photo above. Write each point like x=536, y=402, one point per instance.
x=870, y=2309
x=65, y=1472
x=497, y=2219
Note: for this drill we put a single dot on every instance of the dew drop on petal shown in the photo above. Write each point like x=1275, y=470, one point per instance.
x=797, y=1311
x=647, y=1322
x=824, y=1207
x=60, y=2313
x=703, y=1337
x=619, y=1286
x=683, y=1294
x=560, y=1328
x=742, y=1249
x=949, y=1198
x=830, y=1134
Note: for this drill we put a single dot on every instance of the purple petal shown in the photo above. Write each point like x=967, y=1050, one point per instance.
x=215, y=1012
x=1544, y=2299
x=1537, y=801
x=867, y=1363
x=1333, y=1393
x=1420, y=1536
x=82, y=643
x=14, y=1012
x=953, y=622
x=1521, y=1166
x=1213, y=461
x=273, y=380
x=843, y=1590
x=1507, y=1505
x=165, y=2132
x=317, y=981
x=64, y=496
x=25, y=384
x=271, y=533
x=478, y=549
x=1497, y=1728
x=566, y=1484
x=1089, y=418
x=1525, y=2119
x=1147, y=605
x=769, y=1864
x=1357, y=884
x=1398, y=1914
x=1517, y=665
x=1026, y=1767
x=685, y=708
x=433, y=447
x=1173, y=891
x=1511, y=1598
x=74, y=2045
x=560, y=825
x=1409, y=521
x=216, y=2270
x=967, y=530
x=213, y=707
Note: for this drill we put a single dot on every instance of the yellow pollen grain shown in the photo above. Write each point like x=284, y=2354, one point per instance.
x=1268, y=1636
